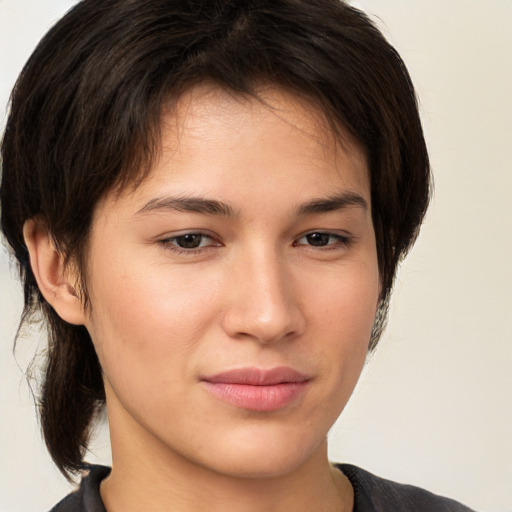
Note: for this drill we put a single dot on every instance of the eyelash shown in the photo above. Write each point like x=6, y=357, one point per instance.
x=170, y=243
x=340, y=241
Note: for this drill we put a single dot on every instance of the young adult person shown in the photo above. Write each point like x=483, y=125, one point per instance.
x=208, y=201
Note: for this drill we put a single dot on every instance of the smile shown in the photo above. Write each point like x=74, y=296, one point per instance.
x=257, y=390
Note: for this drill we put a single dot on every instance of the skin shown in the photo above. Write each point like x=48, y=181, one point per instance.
x=258, y=291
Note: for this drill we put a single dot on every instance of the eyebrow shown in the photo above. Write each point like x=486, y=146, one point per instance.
x=333, y=203
x=213, y=207
x=190, y=205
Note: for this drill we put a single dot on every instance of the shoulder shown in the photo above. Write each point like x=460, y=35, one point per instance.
x=372, y=493
x=87, y=497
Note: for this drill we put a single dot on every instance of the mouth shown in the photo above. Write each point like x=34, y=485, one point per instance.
x=257, y=390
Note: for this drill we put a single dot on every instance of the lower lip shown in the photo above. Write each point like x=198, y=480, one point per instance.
x=257, y=398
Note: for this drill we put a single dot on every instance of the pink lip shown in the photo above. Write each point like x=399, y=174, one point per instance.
x=257, y=390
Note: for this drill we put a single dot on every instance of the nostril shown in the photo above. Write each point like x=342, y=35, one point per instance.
x=267, y=327
x=262, y=304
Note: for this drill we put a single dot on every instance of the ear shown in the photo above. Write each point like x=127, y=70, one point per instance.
x=56, y=283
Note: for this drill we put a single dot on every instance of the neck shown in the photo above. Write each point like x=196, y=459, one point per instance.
x=169, y=491
x=149, y=474
x=172, y=483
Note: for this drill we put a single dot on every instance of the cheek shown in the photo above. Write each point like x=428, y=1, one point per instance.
x=344, y=314
x=346, y=302
x=147, y=318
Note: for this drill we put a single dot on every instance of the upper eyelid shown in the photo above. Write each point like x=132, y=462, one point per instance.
x=169, y=244
x=335, y=233
x=208, y=233
x=341, y=240
x=203, y=232
x=213, y=236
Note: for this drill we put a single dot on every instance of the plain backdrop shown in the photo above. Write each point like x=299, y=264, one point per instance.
x=434, y=405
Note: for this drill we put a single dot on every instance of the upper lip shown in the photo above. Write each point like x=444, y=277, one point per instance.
x=257, y=377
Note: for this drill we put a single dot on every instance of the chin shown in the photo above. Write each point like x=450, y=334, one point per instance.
x=263, y=456
x=260, y=467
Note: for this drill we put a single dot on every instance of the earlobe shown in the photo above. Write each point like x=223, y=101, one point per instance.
x=55, y=282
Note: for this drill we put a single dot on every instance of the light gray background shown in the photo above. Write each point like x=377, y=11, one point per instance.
x=434, y=406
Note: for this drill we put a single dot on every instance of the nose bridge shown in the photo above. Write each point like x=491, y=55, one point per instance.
x=262, y=303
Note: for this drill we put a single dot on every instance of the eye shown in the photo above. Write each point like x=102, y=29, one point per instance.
x=191, y=243
x=323, y=239
x=191, y=240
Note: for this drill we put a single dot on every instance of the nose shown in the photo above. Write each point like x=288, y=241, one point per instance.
x=262, y=302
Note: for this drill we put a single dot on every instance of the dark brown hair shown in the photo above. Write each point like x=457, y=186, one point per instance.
x=85, y=116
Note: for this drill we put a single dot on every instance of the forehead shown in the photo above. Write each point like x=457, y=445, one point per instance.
x=212, y=136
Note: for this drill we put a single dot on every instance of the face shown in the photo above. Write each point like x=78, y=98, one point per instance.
x=234, y=291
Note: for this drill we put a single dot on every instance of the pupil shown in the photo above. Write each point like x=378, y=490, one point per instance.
x=189, y=241
x=318, y=239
